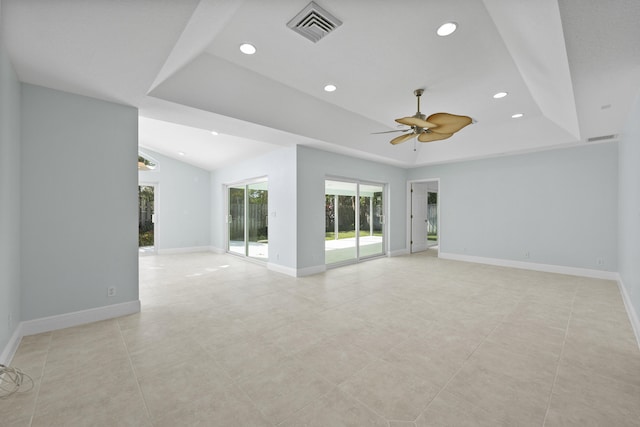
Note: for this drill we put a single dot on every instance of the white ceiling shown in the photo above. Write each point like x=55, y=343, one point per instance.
x=571, y=66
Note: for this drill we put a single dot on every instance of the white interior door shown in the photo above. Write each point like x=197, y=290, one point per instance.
x=419, y=217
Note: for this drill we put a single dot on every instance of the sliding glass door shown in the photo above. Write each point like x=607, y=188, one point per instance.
x=340, y=221
x=237, y=242
x=371, y=220
x=247, y=220
x=354, y=221
x=257, y=215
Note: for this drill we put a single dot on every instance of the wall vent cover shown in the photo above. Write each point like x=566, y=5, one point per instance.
x=601, y=138
x=313, y=22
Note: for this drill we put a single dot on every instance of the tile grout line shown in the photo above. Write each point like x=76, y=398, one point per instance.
x=564, y=341
x=378, y=359
x=235, y=382
x=336, y=386
x=135, y=375
x=464, y=363
x=308, y=404
x=44, y=365
x=457, y=372
x=363, y=404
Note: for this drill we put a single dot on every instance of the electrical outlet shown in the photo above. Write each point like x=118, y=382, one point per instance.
x=526, y=254
x=111, y=291
x=599, y=261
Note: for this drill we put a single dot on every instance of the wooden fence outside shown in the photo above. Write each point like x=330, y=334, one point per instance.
x=256, y=221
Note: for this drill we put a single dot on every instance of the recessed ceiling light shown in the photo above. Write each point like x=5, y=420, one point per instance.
x=213, y=132
x=247, y=49
x=330, y=88
x=180, y=153
x=447, y=29
x=500, y=95
x=517, y=116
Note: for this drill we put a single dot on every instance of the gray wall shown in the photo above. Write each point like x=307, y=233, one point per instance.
x=183, y=203
x=279, y=167
x=9, y=198
x=313, y=167
x=79, y=202
x=629, y=208
x=560, y=206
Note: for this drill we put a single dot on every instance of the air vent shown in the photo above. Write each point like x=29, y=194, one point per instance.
x=601, y=138
x=314, y=22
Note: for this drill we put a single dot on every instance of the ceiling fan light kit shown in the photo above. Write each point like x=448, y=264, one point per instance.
x=436, y=127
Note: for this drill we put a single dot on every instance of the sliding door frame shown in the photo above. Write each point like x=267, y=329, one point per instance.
x=385, y=215
x=245, y=184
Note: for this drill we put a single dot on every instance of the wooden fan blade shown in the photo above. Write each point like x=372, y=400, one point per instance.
x=415, y=121
x=391, y=131
x=448, y=123
x=433, y=136
x=402, y=138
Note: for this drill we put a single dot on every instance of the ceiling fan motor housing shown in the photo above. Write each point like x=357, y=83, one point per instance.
x=434, y=128
x=417, y=129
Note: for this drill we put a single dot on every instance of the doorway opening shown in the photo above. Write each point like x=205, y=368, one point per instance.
x=248, y=219
x=146, y=218
x=354, y=221
x=424, y=218
x=432, y=214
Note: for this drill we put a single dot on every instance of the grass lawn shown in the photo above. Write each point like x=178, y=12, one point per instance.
x=145, y=238
x=330, y=235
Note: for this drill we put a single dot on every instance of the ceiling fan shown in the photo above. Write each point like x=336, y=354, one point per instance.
x=433, y=128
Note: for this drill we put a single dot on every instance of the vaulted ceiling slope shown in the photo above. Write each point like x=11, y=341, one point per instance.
x=572, y=67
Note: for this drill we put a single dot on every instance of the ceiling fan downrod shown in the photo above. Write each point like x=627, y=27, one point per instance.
x=417, y=130
x=418, y=93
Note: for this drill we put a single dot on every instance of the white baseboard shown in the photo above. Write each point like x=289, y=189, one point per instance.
x=631, y=312
x=419, y=248
x=549, y=268
x=282, y=269
x=634, y=317
x=67, y=320
x=12, y=346
x=399, y=252
x=172, y=251
x=217, y=250
x=309, y=271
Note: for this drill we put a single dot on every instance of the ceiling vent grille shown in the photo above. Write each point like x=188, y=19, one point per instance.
x=602, y=138
x=313, y=22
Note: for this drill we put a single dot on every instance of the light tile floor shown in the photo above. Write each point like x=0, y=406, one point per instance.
x=405, y=341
